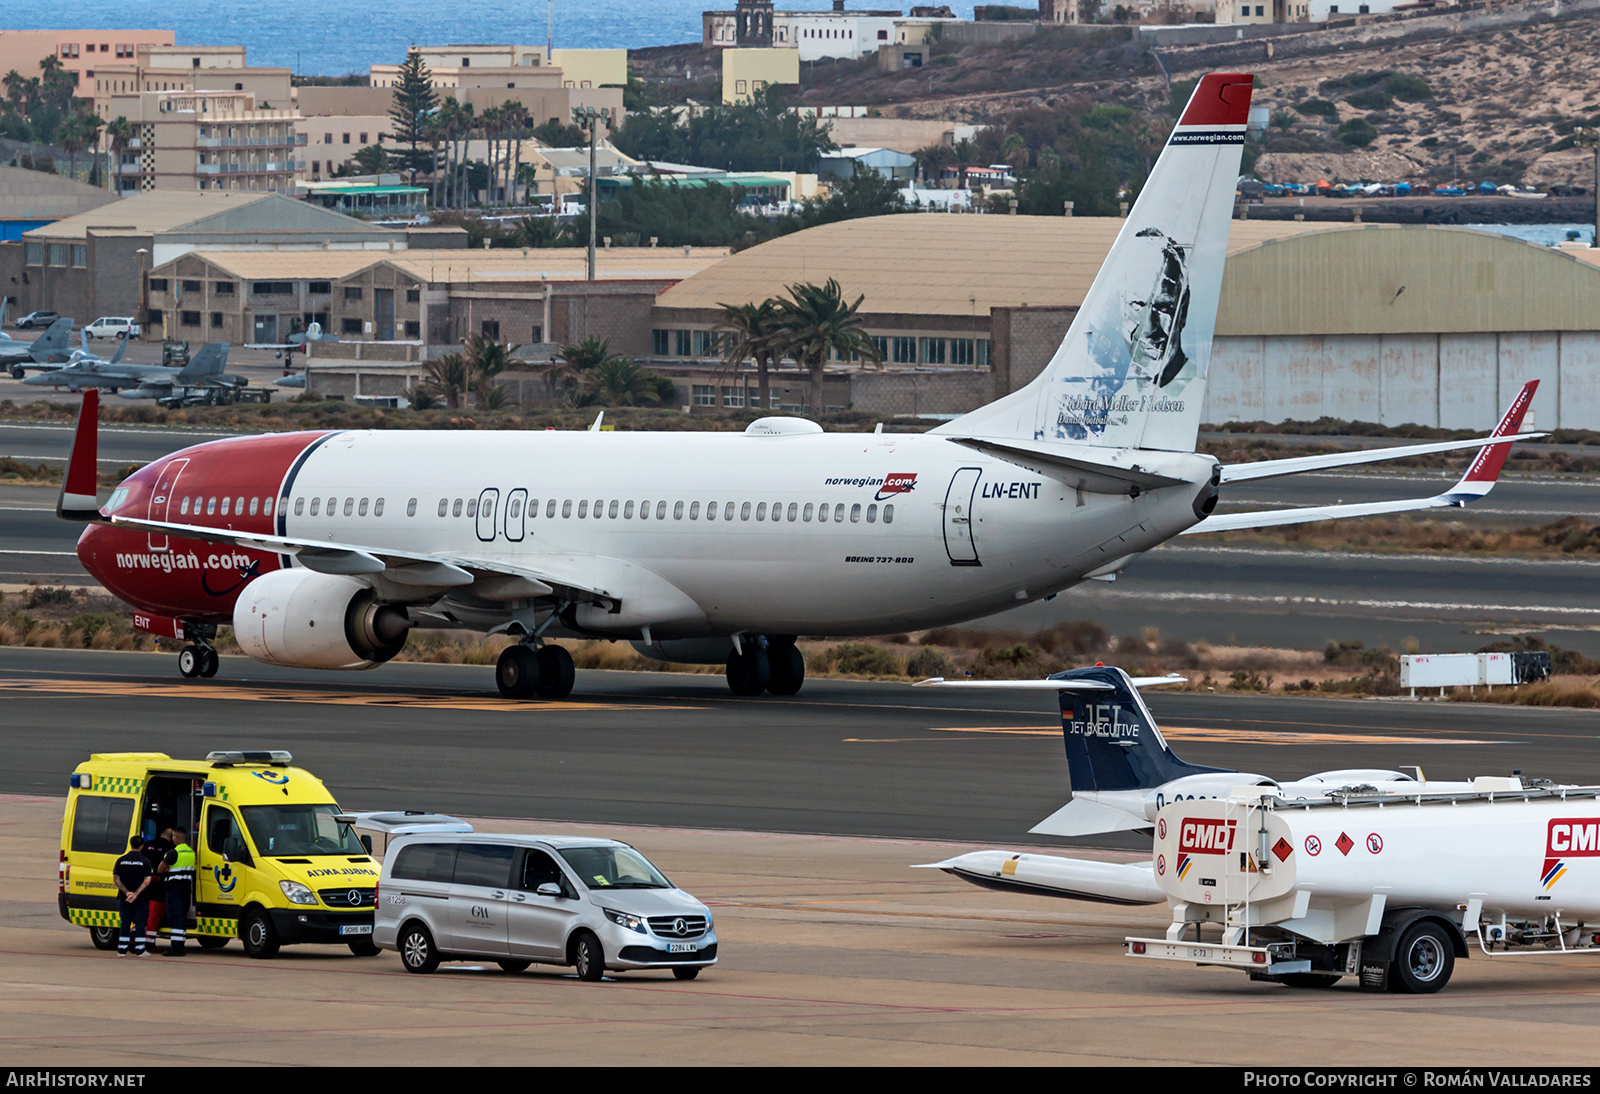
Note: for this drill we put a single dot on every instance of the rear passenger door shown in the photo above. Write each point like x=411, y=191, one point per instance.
x=478, y=899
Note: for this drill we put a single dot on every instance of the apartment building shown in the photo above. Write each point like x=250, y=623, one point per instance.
x=82, y=52
x=514, y=66
x=206, y=140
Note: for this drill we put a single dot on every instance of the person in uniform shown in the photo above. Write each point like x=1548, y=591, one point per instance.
x=177, y=870
x=155, y=850
x=132, y=874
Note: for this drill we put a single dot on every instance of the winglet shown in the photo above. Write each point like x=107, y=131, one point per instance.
x=78, y=499
x=1491, y=459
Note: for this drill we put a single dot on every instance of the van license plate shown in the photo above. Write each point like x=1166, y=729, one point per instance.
x=356, y=928
x=681, y=947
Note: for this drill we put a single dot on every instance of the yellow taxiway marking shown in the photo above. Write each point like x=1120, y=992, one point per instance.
x=1230, y=736
x=291, y=695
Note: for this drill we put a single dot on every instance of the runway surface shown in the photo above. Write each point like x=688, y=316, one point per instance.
x=845, y=758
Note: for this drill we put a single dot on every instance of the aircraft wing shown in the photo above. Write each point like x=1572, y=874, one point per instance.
x=1477, y=482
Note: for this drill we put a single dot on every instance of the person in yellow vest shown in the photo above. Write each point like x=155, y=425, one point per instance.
x=177, y=871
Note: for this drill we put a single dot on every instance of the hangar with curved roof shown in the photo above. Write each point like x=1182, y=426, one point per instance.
x=1394, y=324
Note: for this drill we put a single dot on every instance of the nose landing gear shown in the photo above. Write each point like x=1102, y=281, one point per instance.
x=198, y=659
x=770, y=664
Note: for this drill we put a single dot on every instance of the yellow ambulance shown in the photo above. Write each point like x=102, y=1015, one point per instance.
x=277, y=863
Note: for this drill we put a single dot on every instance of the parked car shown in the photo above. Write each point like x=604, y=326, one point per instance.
x=36, y=319
x=593, y=904
x=113, y=326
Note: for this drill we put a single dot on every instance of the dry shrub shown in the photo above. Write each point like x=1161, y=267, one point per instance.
x=43, y=637
x=1558, y=691
x=859, y=659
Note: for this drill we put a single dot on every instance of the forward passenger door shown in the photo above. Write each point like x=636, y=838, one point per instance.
x=478, y=899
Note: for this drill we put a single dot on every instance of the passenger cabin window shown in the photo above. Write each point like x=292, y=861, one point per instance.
x=761, y=511
x=727, y=511
x=794, y=511
x=300, y=506
x=550, y=509
x=211, y=505
x=855, y=513
x=349, y=505
x=488, y=507
x=455, y=510
x=694, y=511
x=822, y=513
x=566, y=508
x=266, y=509
x=612, y=511
x=377, y=508
x=444, y=506
x=426, y=862
x=515, y=510
x=598, y=504
x=486, y=864
x=316, y=505
x=472, y=507
x=583, y=508
x=677, y=511
x=238, y=507
x=183, y=510
x=225, y=502
x=744, y=511
x=627, y=511
x=661, y=510
x=806, y=515
x=361, y=511
x=838, y=513
x=333, y=503
x=872, y=514
x=888, y=514
x=253, y=503
x=411, y=507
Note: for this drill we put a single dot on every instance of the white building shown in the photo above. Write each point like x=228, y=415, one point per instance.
x=818, y=35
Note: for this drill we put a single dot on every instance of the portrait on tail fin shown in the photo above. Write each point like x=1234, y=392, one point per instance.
x=1155, y=340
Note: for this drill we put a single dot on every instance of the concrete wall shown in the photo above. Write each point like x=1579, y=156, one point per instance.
x=891, y=393
x=1021, y=343
x=1449, y=381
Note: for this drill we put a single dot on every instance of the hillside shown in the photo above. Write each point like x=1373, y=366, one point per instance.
x=1498, y=105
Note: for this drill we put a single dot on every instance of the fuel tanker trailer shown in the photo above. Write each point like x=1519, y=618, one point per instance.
x=1388, y=889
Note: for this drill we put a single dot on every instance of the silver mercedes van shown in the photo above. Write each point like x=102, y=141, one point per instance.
x=592, y=904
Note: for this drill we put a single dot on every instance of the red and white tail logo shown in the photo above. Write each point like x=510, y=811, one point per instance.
x=1491, y=458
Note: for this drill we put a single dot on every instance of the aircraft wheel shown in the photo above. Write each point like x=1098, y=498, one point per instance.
x=748, y=672
x=788, y=669
x=190, y=661
x=556, y=673
x=18, y=373
x=517, y=672
x=209, y=662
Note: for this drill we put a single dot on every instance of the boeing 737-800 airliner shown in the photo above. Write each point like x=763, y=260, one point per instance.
x=323, y=549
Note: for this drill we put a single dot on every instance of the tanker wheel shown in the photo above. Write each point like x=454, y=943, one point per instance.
x=1308, y=980
x=1423, y=961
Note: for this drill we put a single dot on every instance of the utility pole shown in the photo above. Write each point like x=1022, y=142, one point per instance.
x=591, y=117
x=1587, y=137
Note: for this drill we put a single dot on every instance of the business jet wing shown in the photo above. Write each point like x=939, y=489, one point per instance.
x=1476, y=483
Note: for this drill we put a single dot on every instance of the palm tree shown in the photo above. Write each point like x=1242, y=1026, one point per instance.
x=619, y=381
x=16, y=85
x=813, y=322
x=750, y=330
x=448, y=378
x=485, y=359
x=118, y=132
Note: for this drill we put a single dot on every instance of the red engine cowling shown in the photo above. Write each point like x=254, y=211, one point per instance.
x=317, y=621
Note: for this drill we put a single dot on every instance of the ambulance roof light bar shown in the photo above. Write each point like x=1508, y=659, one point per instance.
x=275, y=757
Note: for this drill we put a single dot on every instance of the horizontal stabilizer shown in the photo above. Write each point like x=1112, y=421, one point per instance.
x=1049, y=684
x=1085, y=817
x=1295, y=465
x=1099, y=470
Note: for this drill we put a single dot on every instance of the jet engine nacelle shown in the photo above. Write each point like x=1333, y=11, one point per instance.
x=317, y=621
x=1212, y=784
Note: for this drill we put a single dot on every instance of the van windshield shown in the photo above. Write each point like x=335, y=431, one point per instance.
x=280, y=830
x=613, y=868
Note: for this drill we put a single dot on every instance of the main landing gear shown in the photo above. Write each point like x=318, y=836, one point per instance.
x=773, y=665
x=524, y=671
x=199, y=657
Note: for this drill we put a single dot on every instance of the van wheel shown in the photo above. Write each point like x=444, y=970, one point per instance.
x=688, y=973
x=364, y=948
x=104, y=938
x=209, y=941
x=417, y=952
x=514, y=966
x=259, y=936
x=1423, y=961
x=588, y=958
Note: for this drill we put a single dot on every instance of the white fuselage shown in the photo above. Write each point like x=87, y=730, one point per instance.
x=920, y=530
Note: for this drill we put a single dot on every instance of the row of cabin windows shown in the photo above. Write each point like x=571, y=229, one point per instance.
x=627, y=510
